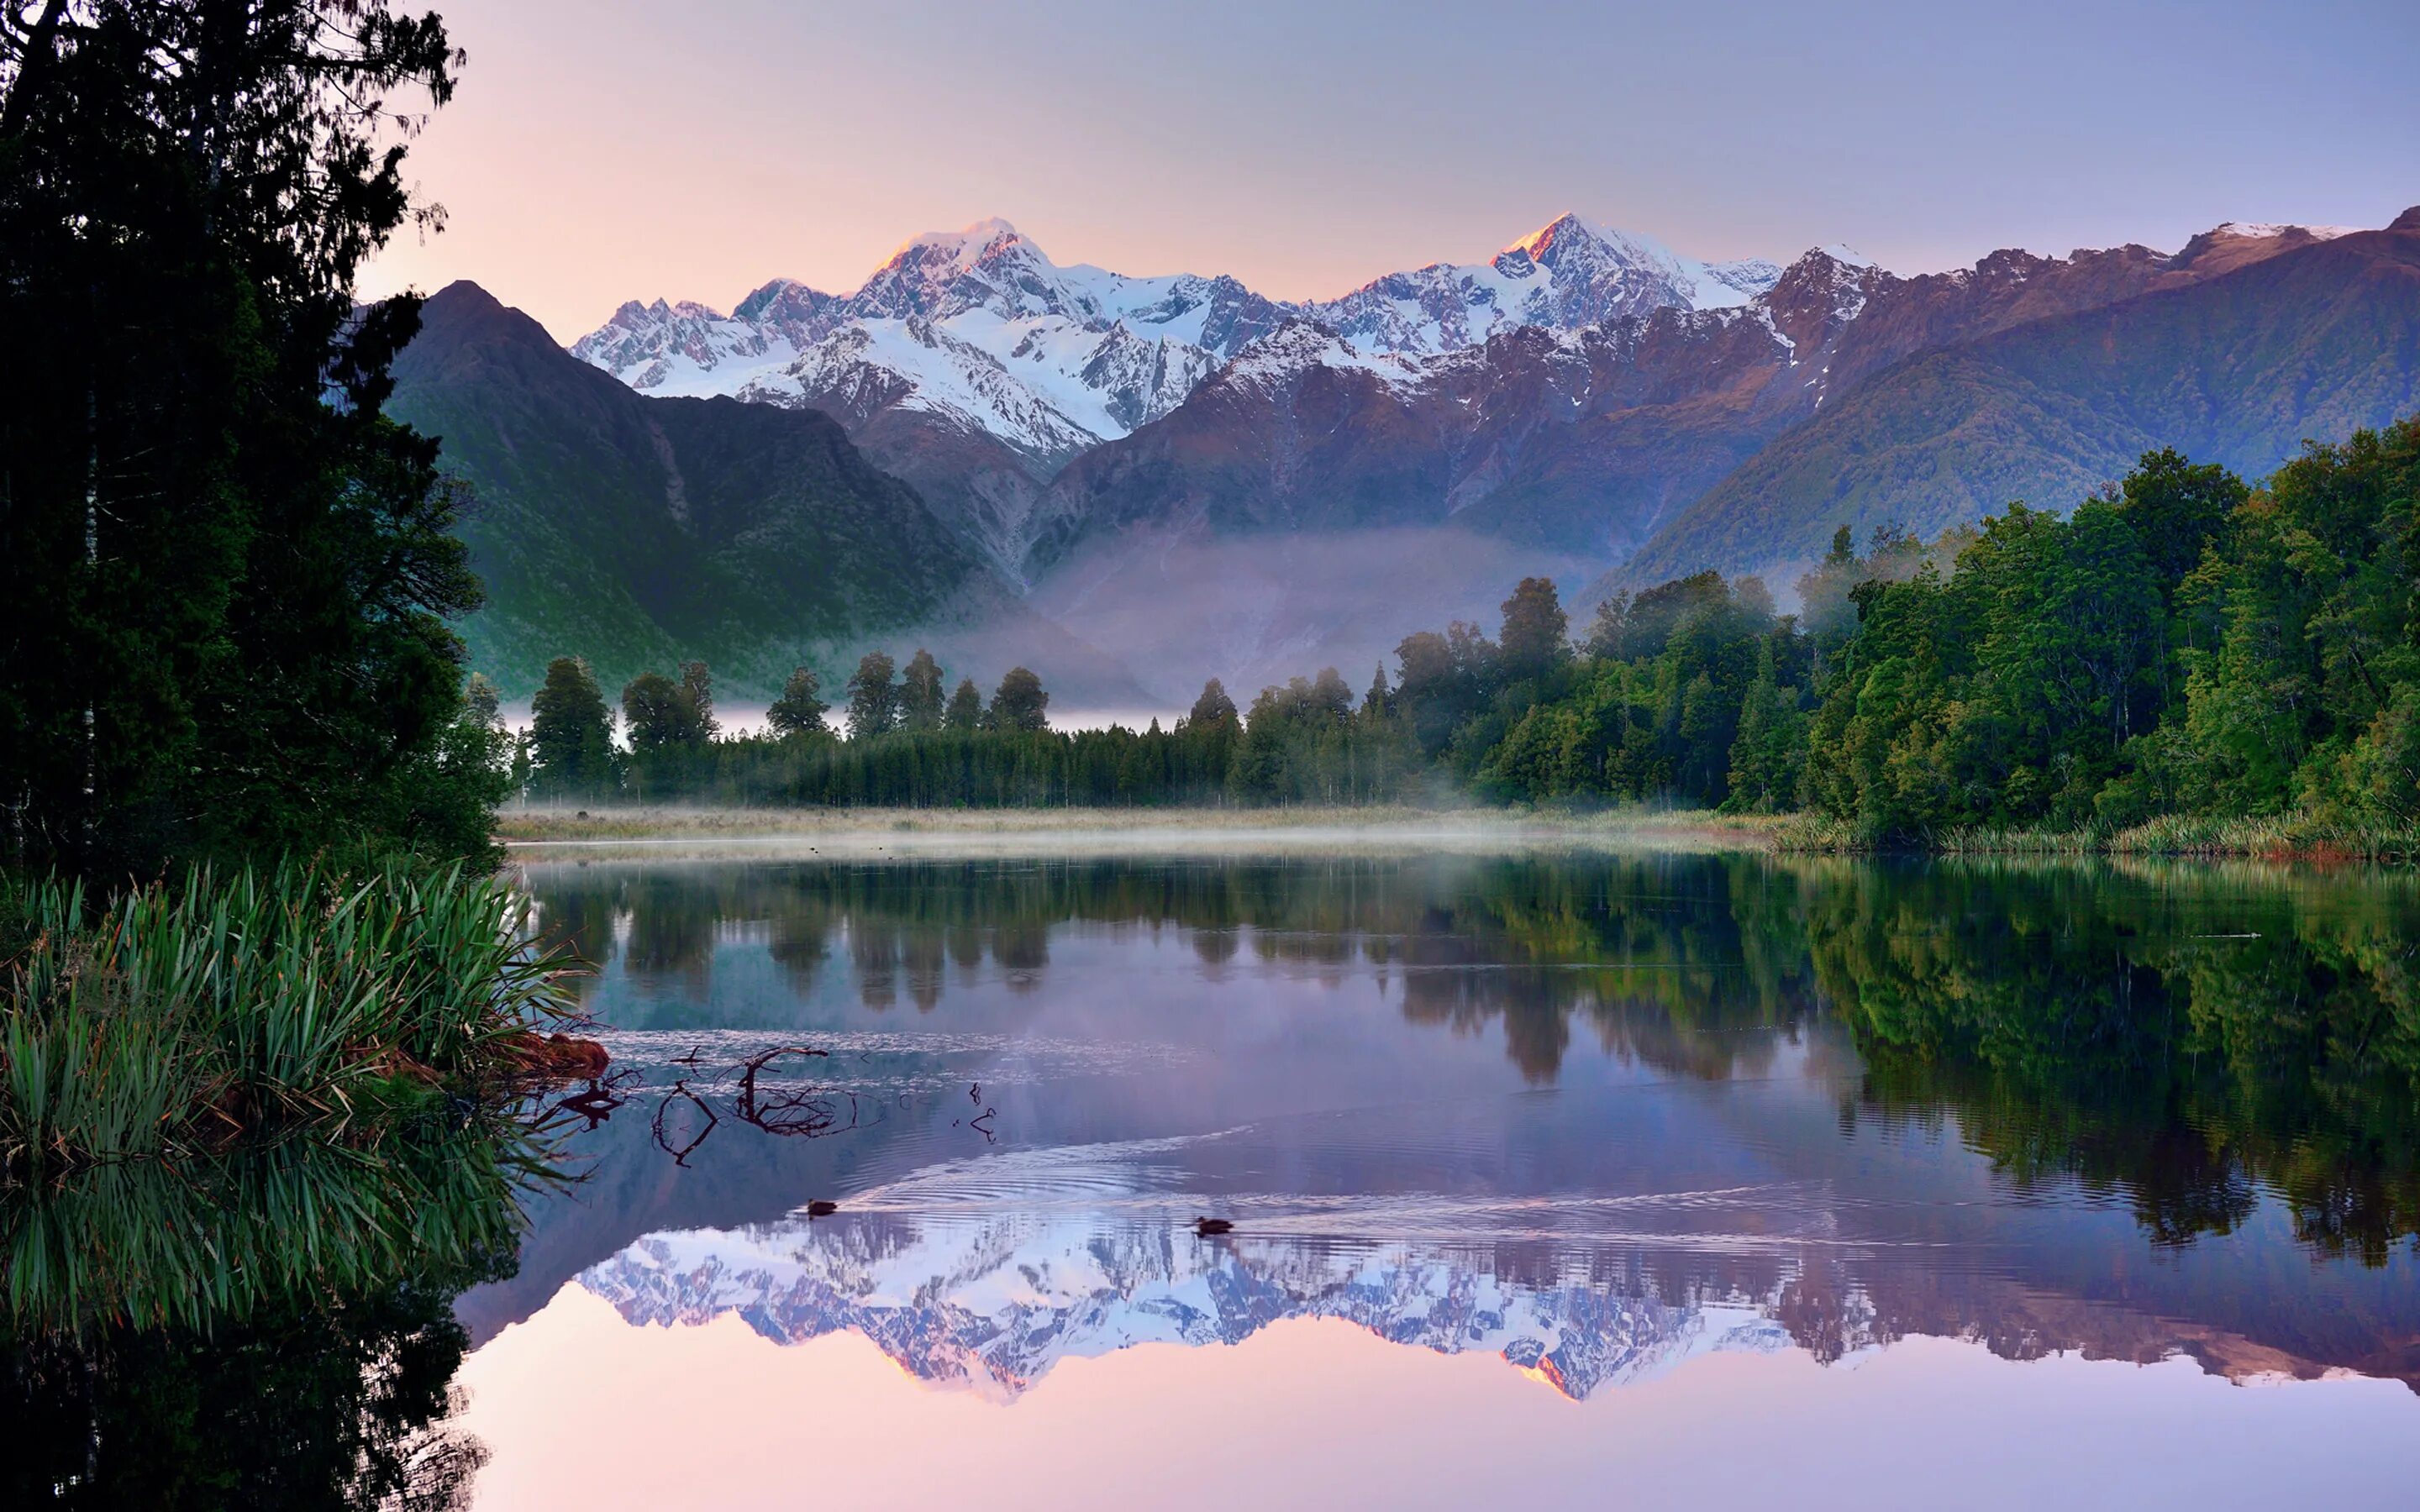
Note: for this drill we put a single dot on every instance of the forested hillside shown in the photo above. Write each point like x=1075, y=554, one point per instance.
x=649, y=530
x=2177, y=647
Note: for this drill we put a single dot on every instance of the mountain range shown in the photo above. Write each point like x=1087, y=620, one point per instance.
x=1153, y=480
x=990, y=1305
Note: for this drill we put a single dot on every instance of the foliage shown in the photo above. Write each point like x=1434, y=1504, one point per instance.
x=2064, y=674
x=270, y=1328
x=169, y=1018
x=1019, y=703
x=571, y=734
x=873, y=697
x=2177, y=645
x=225, y=575
x=800, y=708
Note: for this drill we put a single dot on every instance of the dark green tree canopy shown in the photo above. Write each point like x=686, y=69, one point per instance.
x=1019, y=703
x=873, y=697
x=224, y=577
x=1213, y=707
x=800, y=708
x=966, y=706
x=1531, y=642
x=920, y=706
x=571, y=745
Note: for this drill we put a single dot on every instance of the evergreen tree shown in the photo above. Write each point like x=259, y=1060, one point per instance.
x=654, y=713
x=1376, y=703
x=1531, y=644
x=1329, y=694
x=966, y=706
x=919, y=693
x=873, y=697
x=1214, y=707
x=571, y=739
x=224, y=577
x=1019, y=703
x=800, y=708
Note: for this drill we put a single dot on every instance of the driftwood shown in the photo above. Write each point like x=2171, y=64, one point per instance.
x=680, y=1156
x=808, y=1113
x=596, y=1104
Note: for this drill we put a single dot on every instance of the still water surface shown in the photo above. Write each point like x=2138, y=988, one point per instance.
x=1582, y=1178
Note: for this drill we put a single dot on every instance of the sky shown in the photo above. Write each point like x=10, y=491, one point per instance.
x=601, y=150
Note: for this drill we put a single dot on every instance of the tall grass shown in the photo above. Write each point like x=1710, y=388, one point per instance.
x=2276, y=837
x=172, y=1017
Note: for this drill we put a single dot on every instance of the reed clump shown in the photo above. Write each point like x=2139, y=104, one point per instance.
x=172, y=1018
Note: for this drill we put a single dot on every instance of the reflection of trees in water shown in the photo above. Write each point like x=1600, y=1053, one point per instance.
x=2181, y=1037
x=273, y=1330
x=1645, y=948
x=2078, y=1021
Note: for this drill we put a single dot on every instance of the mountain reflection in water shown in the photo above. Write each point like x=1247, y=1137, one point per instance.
x=1595, y=1113
x=1676, y=1132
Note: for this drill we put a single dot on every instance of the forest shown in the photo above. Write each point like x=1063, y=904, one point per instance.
x=2181, y=650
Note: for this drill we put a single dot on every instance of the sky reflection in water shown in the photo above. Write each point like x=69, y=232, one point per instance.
x=2044, y=1164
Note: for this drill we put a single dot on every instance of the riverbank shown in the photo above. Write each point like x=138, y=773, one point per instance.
x=2269, y=837
x=867, y=832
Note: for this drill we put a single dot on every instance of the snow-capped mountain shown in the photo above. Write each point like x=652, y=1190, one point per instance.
x=976, y=328
x=980, y=329
x=992, y=1305
x=1308, y=429
x=1563, y=276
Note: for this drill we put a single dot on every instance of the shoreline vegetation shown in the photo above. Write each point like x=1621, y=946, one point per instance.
x=2284, y=837
x=242, y=1005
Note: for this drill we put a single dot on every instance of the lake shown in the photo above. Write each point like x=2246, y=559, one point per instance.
x=1647, y=1178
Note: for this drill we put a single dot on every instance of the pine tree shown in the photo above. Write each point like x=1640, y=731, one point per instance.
x=1531, y=644
x=1377, y=701
x=966, y=708
x=224, y=577
x=1214, y=707
x=571, y=740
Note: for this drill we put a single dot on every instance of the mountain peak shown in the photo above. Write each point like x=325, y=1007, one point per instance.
x=963, y=248
x=1562, y=227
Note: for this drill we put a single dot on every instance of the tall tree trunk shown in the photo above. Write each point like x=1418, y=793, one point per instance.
x=33, y=69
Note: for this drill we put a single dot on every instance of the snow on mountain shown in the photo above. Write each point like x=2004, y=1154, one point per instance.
x=1301, y=343
x=1564, y=276
x=982, y=331
x=2263, y=230
x=976, y=327
x=990, y=1305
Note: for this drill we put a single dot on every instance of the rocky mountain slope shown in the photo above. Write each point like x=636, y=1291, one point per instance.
x=1582, y=443
x=975, y=369
x=2316, y=338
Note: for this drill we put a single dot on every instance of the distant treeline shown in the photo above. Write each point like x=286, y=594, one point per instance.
x=2177, y=644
